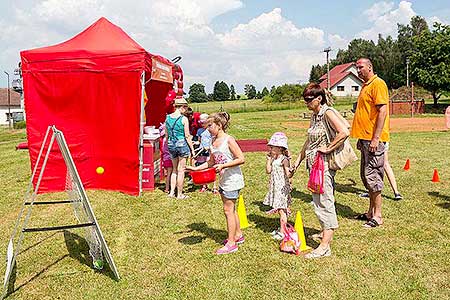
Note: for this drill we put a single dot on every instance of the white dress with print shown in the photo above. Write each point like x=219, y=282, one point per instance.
x=279, y=195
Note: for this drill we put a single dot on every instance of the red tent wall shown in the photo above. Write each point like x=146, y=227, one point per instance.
x=89, y=87
x=155, y=109
x=101, y=126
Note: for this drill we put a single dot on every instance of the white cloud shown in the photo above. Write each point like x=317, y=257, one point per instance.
x=386, y=23
x=378, y=9
x=271, y=31
x=337, y=42
x=267, y=50
x=435, y=19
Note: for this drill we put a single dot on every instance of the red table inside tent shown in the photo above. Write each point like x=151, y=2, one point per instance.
x=151, y=164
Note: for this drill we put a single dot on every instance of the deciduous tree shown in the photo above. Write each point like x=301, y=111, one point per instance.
x=197, y=93
x=430, y=61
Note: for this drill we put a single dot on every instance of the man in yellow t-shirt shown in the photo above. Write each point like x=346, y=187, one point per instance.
x=371, y=127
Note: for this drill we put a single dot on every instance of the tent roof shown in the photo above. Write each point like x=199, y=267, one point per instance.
x=93, y=46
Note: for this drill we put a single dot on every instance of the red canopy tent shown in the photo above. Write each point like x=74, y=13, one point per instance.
x=90, y=87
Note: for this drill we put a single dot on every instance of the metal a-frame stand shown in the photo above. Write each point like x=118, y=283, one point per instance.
x=21, y=228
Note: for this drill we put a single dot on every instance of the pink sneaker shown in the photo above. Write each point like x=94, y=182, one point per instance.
x=227, y=249
x=215, y=191
x=203, y=189
x=238, y=241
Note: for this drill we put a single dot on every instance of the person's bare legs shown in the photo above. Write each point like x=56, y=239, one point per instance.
x=283, y=220
x=180, y=176
x=173, y=177
x=237, y=232
x=327, y=237
x=375, y=207
x=230, y=216
x=168, y=179
x=390, y=174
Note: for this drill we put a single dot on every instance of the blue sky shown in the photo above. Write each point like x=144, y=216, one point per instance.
x=345, y=16
x=260, y=42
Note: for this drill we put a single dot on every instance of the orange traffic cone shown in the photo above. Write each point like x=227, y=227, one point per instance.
x=435, y=176
x=406, y=167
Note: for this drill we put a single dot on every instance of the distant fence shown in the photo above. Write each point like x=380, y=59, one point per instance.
x=403, y=107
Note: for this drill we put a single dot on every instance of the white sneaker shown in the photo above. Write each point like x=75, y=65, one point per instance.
x=317, y=254
x=278, y=236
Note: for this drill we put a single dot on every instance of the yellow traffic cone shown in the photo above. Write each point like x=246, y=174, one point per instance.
x=301, y=233
x=242, y=214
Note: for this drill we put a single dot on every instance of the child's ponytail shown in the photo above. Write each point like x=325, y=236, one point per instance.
x=221, y=118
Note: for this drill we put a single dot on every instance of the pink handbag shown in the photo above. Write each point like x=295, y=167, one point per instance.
x=315, y=182
x=290, y=243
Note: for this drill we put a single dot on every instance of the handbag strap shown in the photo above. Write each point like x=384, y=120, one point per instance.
x=287, y=233
x=329, y=130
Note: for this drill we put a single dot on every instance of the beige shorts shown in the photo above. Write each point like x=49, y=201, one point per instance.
x=372, y=166
x=324, y=203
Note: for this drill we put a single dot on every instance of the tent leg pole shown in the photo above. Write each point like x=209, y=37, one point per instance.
x=141, y=132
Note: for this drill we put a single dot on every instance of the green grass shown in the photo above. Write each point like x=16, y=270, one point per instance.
x=163, y=248
x=255, y=105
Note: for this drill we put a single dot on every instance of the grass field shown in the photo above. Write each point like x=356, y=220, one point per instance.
x=163, y=248
x=254, y=105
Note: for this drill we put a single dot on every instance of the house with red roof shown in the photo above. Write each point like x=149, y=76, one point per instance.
x=344, y=80
x=9, y=106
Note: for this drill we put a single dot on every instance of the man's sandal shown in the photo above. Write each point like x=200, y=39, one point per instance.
x=372, y=223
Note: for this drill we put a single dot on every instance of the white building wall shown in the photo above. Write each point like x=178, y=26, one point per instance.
x=347, y=83
x=353, y=70
x=4, y=111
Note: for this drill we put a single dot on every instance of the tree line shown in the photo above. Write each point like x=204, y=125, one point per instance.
x=425, y=51
x=223, y=92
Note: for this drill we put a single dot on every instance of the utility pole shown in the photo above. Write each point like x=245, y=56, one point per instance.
x=407, y=72
x=9, y=101
x=327, y=51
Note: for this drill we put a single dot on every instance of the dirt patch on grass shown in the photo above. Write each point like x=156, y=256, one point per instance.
x=417, y=124
x=397, y=124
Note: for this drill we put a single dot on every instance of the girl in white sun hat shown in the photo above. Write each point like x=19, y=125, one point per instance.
x=279, y=195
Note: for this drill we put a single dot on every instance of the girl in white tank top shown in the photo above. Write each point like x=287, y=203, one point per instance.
x=226, y=158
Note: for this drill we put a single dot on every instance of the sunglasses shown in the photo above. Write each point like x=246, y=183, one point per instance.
x=309, y=98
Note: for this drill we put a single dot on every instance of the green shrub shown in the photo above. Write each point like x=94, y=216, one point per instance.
x=20, y=125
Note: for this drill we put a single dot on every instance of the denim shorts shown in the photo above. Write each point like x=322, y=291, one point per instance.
x=178, y=148
x=232, y=195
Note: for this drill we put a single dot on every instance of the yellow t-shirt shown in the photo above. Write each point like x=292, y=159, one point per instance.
x=374, y=92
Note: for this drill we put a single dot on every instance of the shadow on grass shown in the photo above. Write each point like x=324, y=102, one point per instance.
x=11, y=282
x=266, y=224
x=345, y=211
x=341, y=209
x=296, y=194
x=349, y=188
x=310, y=241
x=262, y=207
x=79, y=249
x=216, y=235
x=445, y=205
x=37, y=243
